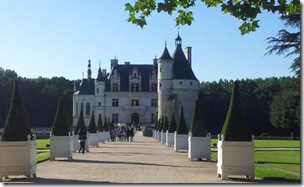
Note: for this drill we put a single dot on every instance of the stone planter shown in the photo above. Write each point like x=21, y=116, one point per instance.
x=180, y=141
x=105, y=136
x=100, y=137
x=235, y=158
x=199, y=147
x=169, y=139
x=18, y=158
x=61, y=146
x=163, y=137
x=93, y=139
x=76, y=144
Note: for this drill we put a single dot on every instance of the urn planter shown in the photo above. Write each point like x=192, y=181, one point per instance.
x=76, y=145
x=18, y=158
x=169, y=139
x=93, y=139
x=199, y=147
x=180, y=141
x=61, y=146
x=235, y=158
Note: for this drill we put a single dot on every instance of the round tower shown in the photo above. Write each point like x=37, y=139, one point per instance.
x=99, y=93
x=164, y=82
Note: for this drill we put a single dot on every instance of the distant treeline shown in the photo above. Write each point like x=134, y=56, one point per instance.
x=40, y=96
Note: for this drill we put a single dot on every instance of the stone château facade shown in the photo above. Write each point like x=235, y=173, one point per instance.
x=134, y=92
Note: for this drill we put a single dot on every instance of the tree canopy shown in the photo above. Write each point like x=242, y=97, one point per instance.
x=244, y=10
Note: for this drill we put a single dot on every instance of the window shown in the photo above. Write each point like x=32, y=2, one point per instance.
x=134, y=87
x=134, y=102
x=154, y=102
x=115, y=117
x=191, y=83
x=180, y=82
x=88, y=109
x=114, y=102
x=97, y=90
x=160, y=85
x=115, y=87
x=153, y=87
x=99, y=103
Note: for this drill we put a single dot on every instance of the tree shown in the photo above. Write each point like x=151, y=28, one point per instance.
x=285, y=111
x=172, y=124
x=235, y=127
x=244, y=10
x=197, y=127
x=80, y=122
x=92, y=125
x=61, y=125
x=99, y=124
x=17, y=126
x=181, y=126
x=105, y=125
x=166, y=125
x=287, y=43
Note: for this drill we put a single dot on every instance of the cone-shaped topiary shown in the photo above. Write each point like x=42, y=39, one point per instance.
x=156, y=124
x=16, y=126
x=161, y=124
x=172, y=124
x=109, y=124
x=80, y=122
x=105, y=125
x=235, y=127
x=181, y=126
x=198, y=127
x=61, y=125
x=166, y=125
x=92, y=125
x=99, y=124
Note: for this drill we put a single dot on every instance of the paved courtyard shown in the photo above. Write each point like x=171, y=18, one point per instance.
x=143, y=161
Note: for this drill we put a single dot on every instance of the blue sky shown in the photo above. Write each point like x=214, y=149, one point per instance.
x=57, y=38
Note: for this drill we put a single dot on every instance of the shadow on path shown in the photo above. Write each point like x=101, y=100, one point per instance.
x=37, y=180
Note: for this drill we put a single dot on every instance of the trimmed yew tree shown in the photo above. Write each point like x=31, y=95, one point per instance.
x=61, y=143
x=198, y=127
x=181, y=134
x=80, y=122
x=61, y=125
x=92, y=125
x=172, y=124
x=166, y=125
x=235, y=126
x=182, y=126
x=199, y=140
x=235, y=143
x=105, y=125
x=16, y=126
x=99, y=124
x=17, y=147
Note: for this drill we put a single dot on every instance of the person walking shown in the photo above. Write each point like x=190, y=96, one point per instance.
x=82, y=138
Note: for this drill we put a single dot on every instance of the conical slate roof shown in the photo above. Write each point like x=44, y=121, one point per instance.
x=165, y=55
x=100, y=76
x=181, y=67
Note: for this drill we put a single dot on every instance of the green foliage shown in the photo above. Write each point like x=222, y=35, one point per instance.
x=105, y=125
x=61, y=125
x=198, y=127
x=92, y=125
x=99, y=124
x=245, y=11
x=285, y=111
x=235, y=127
x=80, y=122
x=288, y=43
x=17, y=126
x=181, y=126
x=166, y=125
x=172, y=124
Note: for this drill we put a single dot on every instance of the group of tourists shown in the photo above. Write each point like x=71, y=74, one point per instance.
x=123, y=134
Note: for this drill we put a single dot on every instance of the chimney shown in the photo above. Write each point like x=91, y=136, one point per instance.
x=127, y=63
x=114, y=62
x=104, y=72
x=188, y=54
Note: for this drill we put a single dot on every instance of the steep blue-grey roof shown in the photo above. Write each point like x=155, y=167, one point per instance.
x=165, y=55
x=86, y=87
x=181, y=67
x=100, y=76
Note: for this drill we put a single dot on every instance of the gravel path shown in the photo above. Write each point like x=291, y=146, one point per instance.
x=143, y=161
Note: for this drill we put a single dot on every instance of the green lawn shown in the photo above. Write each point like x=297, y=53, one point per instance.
x=271, y=143
x=43, y=152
